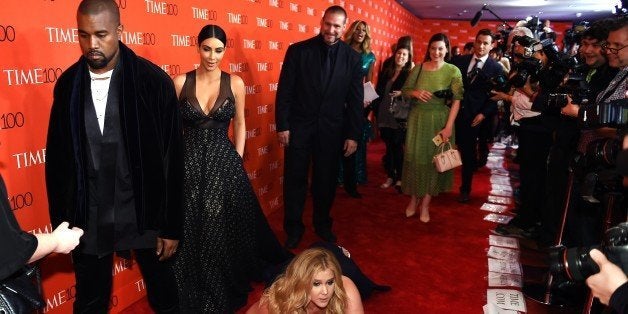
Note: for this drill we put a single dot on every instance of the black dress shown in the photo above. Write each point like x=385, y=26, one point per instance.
x=227, y=241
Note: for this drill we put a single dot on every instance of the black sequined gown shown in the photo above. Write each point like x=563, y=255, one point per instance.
x=227, y=241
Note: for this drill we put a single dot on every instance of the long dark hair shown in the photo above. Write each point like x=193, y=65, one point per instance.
x=438, y=37
x=389, y=70
x=212, y=31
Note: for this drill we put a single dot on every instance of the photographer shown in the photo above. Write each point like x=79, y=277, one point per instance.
x=610, y=285
x=602, y=127
x=617, y=58
x=589, y=80
x=535, y=132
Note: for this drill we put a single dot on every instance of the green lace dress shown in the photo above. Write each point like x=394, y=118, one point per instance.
x=419, y=177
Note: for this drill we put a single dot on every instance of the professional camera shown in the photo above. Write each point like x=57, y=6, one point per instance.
x=559, y=66
x=612, y=114
x=553, y=83
x=575, y=87
x=528, y=66
x=500, y=83
x=596, y=170
x=575, y=264
x=574, y=34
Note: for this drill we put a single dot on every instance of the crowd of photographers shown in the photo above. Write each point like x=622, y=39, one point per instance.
x=570, y=112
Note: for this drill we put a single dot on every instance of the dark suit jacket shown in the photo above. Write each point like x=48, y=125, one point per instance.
x=151, y=128
x=476, y=97
x=303, y=105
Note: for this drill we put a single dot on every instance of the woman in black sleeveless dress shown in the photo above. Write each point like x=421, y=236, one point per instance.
x=227, y=241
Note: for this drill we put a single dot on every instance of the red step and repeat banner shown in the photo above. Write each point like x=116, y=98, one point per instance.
x=38, y=41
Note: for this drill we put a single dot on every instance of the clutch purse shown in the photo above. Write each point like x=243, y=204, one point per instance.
x=399, y=108
x=21, y=292
x=448, y=159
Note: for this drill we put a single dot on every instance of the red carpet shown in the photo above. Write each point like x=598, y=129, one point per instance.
x=438, y=267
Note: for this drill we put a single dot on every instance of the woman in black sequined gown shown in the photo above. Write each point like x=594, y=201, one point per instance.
x=227, y=241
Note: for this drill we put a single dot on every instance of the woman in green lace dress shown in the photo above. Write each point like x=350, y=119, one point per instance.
x=428, y=117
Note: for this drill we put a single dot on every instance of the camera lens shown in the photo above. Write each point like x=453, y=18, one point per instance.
x=603, y=151
x=574, y=264
x=579, y=264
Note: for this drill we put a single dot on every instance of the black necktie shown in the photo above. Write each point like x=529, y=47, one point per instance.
x=474, y=70
x=326, y=71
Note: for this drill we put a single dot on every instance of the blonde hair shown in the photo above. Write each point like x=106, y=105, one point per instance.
x=290, y=292
x=366, y=44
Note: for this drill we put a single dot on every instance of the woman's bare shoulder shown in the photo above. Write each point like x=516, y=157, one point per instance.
x=354, y=301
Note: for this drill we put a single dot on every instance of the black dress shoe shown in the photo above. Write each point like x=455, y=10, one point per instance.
x=327, y=235
x=292, y=242
x=354, y=194
x=464, y=197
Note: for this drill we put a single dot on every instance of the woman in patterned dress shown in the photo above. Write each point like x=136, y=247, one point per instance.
x=428, y=117
x=227, y=241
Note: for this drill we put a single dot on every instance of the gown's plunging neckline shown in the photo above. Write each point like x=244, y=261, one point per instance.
x=197, y=103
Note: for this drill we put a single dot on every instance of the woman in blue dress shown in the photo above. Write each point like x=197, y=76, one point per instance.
x=353, y=168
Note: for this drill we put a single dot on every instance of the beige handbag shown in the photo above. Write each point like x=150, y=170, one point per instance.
x=447, y=159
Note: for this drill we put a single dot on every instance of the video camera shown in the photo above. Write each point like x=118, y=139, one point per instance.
x=526, y=67
x=576, y=265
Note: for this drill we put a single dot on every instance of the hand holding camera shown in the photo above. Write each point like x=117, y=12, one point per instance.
x=579, y=263
x=610, y=277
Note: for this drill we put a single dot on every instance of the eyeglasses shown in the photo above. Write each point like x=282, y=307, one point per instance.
x=612, y=50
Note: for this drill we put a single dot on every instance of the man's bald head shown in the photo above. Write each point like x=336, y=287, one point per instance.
x=93, y=7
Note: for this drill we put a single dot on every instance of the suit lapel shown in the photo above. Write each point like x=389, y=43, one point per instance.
x=317, y=59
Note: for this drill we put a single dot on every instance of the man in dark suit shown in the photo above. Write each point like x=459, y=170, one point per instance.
x=475, y=105
x=319, y=113
x=114, y=162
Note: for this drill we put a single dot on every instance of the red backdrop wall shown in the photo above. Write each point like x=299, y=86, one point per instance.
x=38, y=41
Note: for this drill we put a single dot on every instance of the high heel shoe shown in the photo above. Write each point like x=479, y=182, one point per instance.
x=387, y=184
x=425, y=215
x=410, y=215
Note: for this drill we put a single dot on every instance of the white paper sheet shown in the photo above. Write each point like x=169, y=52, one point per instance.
x=507, y=299
x=497, y=280
x=502, y=241
x=503, y=253
x=491, y=308
x=495, y=208
x=369, y=92
x=503, y=266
